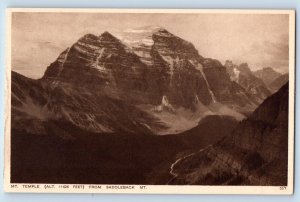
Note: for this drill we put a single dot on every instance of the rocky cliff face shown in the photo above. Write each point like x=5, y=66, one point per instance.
x=171, y=63
x=254, y=154
x=101, y=64
x=227, y=91
x=267, y=74
x=247, y=79
x=148, y=63
x=146, y=69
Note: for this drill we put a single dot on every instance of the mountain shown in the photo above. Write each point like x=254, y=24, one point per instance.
x=153, y=71
x=267, y=74
x=131, y=103
x=279, y=82
x=149, y=71
x=254, y=154
x=247, y=79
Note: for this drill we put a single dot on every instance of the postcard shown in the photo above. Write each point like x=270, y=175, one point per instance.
x=150, y=101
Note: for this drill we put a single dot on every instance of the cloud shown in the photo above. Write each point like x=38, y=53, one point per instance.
x=278, y=52
x=259, y=40
x=266, y=53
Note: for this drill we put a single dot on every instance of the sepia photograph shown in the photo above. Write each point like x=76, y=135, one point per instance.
x=150, y=101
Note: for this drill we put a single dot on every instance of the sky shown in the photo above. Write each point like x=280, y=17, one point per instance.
x=261, y=40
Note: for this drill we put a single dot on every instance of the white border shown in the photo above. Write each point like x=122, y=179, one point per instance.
x=155, y=189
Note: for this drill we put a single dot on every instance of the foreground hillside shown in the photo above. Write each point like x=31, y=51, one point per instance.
x=254, y=154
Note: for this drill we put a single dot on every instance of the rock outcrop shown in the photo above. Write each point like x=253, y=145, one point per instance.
x=246, y=79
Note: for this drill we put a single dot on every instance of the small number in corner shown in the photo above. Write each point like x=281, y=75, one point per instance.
x=282, y=188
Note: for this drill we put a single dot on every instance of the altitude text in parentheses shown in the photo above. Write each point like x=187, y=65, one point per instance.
x=49, y=186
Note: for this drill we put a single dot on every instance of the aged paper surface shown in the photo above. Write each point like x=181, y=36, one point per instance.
x=173, y=101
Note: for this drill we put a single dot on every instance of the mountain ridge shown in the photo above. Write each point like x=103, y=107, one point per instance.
x=267, y=74
x=157, y=67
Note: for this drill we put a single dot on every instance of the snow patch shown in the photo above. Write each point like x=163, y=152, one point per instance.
x=236, y=75
x=165, y=102
x=146, y=29
x=100, y=54
x=143, y=54
x=83, y=45
x=199, y=67
x=212, y=95
x=164, y=105
x=63, y=62
x=197, y=99
x=147, y=41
